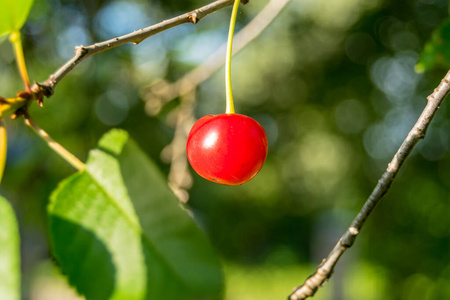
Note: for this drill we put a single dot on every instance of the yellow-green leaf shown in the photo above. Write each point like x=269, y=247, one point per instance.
x=9, y=253
x=13, y=14
x=3, y=147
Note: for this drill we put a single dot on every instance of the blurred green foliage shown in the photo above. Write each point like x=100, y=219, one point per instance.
x=332, y=82
x=437, y=50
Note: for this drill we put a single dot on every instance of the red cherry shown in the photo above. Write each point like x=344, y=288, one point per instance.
x=227, y=148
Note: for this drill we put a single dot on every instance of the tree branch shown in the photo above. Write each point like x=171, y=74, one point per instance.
x=325, y=269
x=83, y=52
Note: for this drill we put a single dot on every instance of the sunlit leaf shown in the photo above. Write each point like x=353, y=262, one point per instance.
x=118, y=232
x=13, y=14
x=437, y=50
x=9, y=253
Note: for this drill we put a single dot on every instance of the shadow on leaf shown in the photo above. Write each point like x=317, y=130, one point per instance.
x=88, y=264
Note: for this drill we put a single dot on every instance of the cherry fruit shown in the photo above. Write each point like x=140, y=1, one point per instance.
x=227, y=148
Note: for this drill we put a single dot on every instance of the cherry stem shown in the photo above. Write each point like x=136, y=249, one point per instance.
x=228, y=89
x=14, y=38
x=60, y=150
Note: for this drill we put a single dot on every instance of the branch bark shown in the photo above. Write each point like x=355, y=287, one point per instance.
x=325, y=269
x=83, y=52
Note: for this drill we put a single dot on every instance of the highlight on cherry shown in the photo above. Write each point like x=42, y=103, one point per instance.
x=227, y=148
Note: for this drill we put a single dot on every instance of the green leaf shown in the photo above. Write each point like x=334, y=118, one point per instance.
x=9, y=253
x=13, y=14
x=437, y=51
x=118, y=232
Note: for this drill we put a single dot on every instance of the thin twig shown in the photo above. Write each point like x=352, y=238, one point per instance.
x=83, y=52
x=60, y=150
x=325, y=269
x=180, y=178
x=166, y=92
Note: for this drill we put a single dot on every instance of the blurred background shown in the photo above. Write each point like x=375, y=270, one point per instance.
x=333, y=84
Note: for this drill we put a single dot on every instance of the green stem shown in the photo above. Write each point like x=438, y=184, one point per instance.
x=60, y=150
x=2, y=148
x=228, y=89
x=20, y=59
